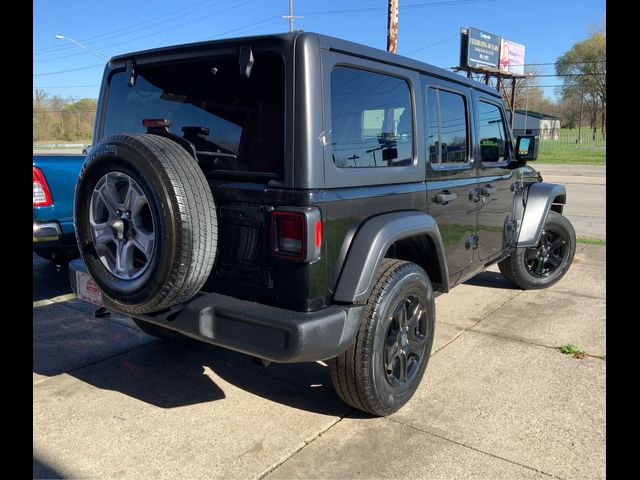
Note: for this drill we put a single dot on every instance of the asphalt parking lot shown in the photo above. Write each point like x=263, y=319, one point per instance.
x=498, y=399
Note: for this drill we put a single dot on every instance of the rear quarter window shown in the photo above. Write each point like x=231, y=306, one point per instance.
x=371, y=119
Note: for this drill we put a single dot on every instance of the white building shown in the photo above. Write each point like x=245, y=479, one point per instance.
x=547, y=127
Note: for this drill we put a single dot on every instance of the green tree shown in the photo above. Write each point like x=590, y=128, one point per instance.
x=584, y=69
x=55, y=118
x=79, y=117
x=568, y=109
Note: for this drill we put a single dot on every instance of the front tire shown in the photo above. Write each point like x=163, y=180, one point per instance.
x=381, y=371
x=531, y=268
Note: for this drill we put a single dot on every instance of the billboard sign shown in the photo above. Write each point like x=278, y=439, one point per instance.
x=511, y=57
x=483, y=49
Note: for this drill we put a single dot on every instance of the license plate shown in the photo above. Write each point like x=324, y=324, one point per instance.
x=87, y=289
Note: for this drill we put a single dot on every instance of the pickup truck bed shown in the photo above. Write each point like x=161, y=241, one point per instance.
x=53, y=231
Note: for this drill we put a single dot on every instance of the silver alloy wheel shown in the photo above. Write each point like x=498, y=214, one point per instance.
x=122, y=225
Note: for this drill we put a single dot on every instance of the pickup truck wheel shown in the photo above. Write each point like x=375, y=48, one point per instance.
x=160, y=332
x=381, y=371
x=545, y=264
x=145, y=222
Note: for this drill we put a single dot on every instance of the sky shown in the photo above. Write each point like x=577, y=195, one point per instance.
x=429, y=30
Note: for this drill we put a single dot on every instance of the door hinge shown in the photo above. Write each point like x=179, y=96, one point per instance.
x=513, y=228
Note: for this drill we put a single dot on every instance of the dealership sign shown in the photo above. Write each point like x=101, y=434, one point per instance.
x=511, y=57
x=483, y=49
x=480, y=49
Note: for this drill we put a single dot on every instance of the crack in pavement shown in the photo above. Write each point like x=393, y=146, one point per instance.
x=472, y=448
x=464, y=330
x=515, y=339
x=302, y=446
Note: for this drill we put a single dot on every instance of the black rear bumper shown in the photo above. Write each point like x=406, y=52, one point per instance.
x=256, y=329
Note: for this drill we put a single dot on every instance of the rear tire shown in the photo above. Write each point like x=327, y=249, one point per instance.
x=145, y=222
x=381, y=371
x=545, y=264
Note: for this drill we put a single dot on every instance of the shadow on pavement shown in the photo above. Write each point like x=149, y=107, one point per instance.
x=115, y=356
x=491, y=280
x=170, y=375
x=49, y=280
x=42, y=470
x=162, y=374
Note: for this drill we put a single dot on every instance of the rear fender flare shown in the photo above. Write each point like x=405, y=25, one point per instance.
x=370, y=244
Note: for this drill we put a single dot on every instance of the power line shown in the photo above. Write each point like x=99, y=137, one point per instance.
x=65, y=86
x=178, y=26
x=554, y=63
x=431, y=45
x=58, y=110
x=110, y=34
x=569, y=75
x=70, y=70
x=245, y=26
x=93, y=18
x=403, y=7
x=172, y=14
x=548, y=63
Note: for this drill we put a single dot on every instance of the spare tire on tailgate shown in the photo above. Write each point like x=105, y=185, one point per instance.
x=145, y=222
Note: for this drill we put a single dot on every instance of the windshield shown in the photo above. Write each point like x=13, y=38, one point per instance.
x=235, y=124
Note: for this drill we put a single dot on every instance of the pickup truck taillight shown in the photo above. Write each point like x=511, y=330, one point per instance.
x=296, y=233
x=41, y=193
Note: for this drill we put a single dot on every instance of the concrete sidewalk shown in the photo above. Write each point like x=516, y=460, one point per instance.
x=498, y=399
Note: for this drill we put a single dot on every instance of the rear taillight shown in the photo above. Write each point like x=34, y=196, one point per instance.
x=41, y=193
x=296, y=233
x=155, y=122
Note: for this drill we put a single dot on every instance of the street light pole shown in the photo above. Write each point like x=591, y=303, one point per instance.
x=97, y=54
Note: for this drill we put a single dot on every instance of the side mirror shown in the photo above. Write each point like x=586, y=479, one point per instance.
x=527, y=147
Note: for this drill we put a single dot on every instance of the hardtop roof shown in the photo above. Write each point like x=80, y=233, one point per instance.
x=324, y=42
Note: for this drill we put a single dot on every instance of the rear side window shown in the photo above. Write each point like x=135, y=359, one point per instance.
x=492, y=132
x=371, y=119
x=447, y=137
x=209, y=104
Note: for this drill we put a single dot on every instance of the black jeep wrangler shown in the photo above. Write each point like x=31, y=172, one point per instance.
x=297, y=197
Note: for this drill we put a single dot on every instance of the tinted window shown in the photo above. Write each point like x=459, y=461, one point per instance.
x=492, y=133
x=447, y=127
x=371, y=120
x=208, y=104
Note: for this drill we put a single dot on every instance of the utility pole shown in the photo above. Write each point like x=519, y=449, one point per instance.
x=291, y=16
x=392, y=47
x=392, y=27
x=513, y=102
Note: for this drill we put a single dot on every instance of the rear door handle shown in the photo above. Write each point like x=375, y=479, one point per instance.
x=488, y=190
x=445, y=197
